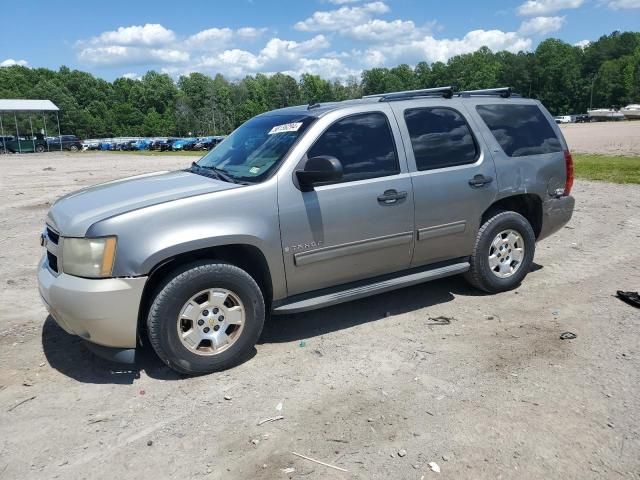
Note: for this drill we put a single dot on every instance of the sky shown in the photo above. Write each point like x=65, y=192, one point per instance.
x=336, y=39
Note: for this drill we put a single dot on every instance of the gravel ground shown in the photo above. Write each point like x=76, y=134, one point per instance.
x=374, y=386
x=612, y=138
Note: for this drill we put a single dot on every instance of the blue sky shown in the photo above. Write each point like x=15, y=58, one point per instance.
x=333, y=38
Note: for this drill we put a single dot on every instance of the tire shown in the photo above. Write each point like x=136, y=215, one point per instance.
x=167, y=322
x=73, y=148
x=39, y=148
x=500, y=278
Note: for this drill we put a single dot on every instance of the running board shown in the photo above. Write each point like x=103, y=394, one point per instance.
x=362, y=291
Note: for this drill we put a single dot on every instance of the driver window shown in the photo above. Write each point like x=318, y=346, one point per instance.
x=364, y=145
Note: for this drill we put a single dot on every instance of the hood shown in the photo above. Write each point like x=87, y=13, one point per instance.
x=73, y=214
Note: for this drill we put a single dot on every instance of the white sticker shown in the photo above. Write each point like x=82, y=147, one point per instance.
x=254, y=169
x=287, y=127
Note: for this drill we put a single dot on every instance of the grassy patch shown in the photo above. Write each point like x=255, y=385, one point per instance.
x=607, y=168
x=154, y=153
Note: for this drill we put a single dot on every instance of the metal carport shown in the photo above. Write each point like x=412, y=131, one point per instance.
x=28, y=106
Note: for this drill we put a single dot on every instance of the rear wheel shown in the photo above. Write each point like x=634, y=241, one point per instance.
x=73, y=148
x=39, y=148
x=503, y=253
x=207, y=317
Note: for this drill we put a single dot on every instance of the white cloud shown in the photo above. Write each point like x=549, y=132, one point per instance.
x=582, y=43
x=216, y=39
x=250, y=32
x=432, y=50
x=377, y=30
x=342, y=18
x=150, y=34
x=623, y=4
x=155, y=44
x=119, y=55
x=343, y=2
x=10, y=62
x=211, y=38
x=132, y=76
x=277, y=55
x=541, y=25
x=545, y=7
x=375, y=41
x=325, y=67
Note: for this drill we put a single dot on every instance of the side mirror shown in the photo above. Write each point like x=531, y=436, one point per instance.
x=319, y=169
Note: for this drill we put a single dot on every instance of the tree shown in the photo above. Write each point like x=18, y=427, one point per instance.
x=558, y=74
x=314, y=89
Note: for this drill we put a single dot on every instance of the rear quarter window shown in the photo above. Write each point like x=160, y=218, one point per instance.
x=521, y=130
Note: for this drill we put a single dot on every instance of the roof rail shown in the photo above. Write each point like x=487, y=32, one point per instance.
x=446, y=92
x=504, y=92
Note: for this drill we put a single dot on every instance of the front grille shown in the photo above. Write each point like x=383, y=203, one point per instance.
x=53, y=261
x=53, y=236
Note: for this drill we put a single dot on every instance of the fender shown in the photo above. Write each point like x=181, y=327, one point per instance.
x=148, y=236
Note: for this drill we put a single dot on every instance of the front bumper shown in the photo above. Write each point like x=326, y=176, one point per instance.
x=102, y=311
x=556, y=213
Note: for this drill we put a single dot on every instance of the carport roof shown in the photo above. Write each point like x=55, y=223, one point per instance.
x=27, y=106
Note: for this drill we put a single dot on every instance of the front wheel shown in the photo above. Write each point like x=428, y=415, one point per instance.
x=207, y=317
x=503, y=253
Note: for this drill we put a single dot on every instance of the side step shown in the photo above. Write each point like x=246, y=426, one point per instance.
x=333, y=298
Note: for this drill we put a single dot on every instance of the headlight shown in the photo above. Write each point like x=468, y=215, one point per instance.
x=88, y=257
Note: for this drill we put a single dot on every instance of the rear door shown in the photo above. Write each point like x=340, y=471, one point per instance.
x=453, y=177
x=360, y=227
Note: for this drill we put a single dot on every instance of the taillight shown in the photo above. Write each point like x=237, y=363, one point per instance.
x=568, y=160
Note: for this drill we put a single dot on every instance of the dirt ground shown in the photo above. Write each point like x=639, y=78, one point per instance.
x=612, y=138
x=375, y=386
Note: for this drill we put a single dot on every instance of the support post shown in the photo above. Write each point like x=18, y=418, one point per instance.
x=15, y=119
x=59, y=134
x=33, y=140
x=4, y=144
x=44, y=120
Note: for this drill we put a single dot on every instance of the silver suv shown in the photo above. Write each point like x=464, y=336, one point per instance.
x=305, y=207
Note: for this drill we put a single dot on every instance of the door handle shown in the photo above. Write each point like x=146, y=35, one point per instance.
x=389, y=197
x=480, y=181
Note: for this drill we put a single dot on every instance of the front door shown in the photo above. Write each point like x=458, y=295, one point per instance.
x=360, y=227
x=453, y=179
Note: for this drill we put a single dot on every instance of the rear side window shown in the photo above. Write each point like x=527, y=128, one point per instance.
x=520, y=130
x=440, y=137
x=363, y=143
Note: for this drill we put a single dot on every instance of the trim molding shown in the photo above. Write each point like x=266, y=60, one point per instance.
x=442, y=230
x=352, y=248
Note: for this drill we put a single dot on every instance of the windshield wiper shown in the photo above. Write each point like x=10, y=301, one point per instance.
x=219, y=173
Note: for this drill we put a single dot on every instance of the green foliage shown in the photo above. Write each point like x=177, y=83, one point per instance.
x=607, y=168
x=562, y=76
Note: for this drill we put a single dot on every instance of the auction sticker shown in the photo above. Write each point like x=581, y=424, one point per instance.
x=287, y=127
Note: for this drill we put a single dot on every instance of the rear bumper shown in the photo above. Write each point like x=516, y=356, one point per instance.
x=101, y=311
x=556, y=213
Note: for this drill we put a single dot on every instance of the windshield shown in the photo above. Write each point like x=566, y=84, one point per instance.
x=257, y=147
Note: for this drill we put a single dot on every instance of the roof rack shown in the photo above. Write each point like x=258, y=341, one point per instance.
x=504, y=92
x=446, y=92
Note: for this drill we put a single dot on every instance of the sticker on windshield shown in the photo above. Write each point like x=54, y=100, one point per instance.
x=287, y=127
x=254, y=169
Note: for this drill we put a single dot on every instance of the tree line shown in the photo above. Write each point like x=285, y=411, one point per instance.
x=567, y=79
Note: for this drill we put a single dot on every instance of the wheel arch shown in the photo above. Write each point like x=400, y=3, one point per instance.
x=245, y=256
x=529, y=205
